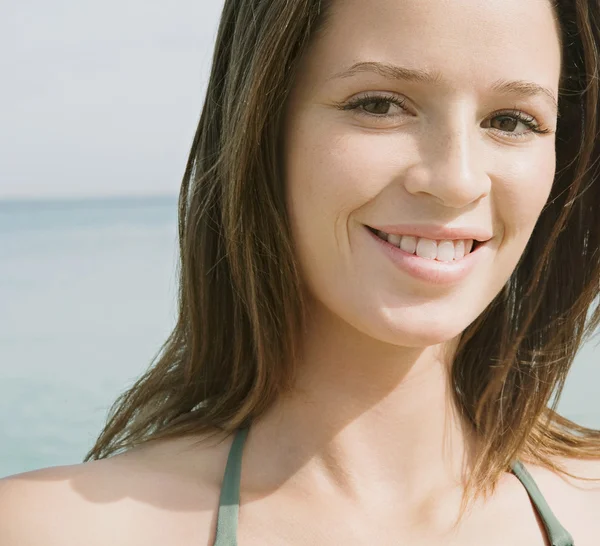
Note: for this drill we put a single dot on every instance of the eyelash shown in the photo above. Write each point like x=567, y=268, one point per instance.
x=524, y=118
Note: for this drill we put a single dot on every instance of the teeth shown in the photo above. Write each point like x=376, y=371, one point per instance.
x=394, y=239
x=459, y=250
x=426, y=248
x=408, y=244
x=382, y=234
x=443, y=251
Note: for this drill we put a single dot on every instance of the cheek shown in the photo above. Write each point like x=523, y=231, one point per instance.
x=332, y=172
x=520, y=190
x=328, y=176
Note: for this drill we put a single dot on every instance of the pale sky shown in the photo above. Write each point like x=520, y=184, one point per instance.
x=101, y=97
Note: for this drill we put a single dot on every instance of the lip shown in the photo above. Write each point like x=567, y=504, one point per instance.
x=437, y=233
x=432, y=271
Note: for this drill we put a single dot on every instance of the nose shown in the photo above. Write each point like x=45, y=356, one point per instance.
x=450, y=163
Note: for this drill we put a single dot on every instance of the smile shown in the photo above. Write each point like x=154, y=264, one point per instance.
x=446, y=263
x=441, y=250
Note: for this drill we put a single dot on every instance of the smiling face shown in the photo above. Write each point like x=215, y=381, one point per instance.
x=413, y=114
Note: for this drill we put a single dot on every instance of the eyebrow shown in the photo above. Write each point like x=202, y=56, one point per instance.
x=390, y=71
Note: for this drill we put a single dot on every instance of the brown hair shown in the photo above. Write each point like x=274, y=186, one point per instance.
x=232, y=350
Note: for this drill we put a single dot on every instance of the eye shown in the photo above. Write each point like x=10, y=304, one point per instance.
x=378, y=107
x=375, y=106
x=508, y=123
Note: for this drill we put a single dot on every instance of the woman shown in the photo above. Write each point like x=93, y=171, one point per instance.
x=389, y=246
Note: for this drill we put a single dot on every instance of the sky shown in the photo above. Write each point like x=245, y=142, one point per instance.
x=101, y=97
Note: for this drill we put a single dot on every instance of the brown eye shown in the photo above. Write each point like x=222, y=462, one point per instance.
x=379, y=107
x=505, y=123
x=375, y=107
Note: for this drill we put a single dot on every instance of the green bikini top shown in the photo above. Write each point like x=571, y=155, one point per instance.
x=227, y=520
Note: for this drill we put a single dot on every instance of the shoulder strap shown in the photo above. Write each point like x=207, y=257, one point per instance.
x=229, y=502
x=557, y=534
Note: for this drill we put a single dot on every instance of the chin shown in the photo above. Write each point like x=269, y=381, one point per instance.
x=414, y=332
x=419, y=338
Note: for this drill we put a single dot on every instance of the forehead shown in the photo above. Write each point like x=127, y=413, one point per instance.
x=462, y=40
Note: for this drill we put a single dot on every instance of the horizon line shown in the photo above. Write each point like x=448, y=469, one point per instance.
x=24, y=198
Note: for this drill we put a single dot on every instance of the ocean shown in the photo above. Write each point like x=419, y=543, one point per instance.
x=87, y=297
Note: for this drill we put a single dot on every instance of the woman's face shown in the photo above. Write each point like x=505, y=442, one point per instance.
x=410, y=116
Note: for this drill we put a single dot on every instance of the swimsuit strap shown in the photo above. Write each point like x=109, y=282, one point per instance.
x=229, y=502
x=227, y=519
x=557, y=534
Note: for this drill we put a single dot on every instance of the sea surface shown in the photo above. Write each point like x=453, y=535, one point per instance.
x=87, y=297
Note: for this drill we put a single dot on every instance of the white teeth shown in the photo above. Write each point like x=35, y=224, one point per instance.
x=394, y=239
x=408, y=244
x=443, y=251
x=426, y=248
x=459, y=249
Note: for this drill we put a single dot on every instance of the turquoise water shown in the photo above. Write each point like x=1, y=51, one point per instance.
x=87, y=291
x=87, y=296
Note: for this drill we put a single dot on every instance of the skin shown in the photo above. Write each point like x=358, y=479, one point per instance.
x=367, y=449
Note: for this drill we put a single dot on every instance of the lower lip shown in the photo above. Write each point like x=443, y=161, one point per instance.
x=431, y=271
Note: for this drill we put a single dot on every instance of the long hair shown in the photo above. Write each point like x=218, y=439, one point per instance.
x=241, y=310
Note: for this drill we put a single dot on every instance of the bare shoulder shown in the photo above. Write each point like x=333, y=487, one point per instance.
x=161, y=493
x=574, y=501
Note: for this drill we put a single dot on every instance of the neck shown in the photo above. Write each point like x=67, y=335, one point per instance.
x=364, y=417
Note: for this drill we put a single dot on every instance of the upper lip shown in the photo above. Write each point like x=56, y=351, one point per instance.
x=438, y=233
